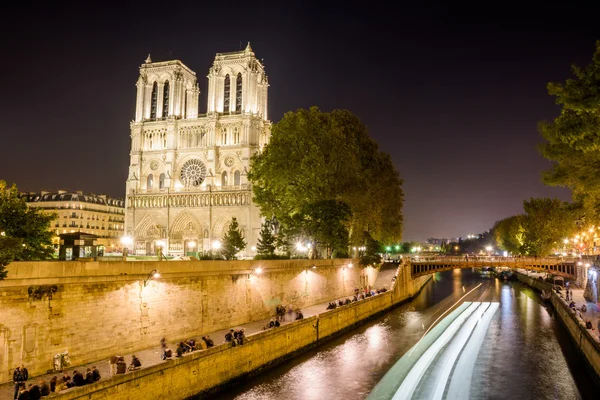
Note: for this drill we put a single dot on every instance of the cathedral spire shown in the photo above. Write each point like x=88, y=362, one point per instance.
x=248, y=48
x=149, y=60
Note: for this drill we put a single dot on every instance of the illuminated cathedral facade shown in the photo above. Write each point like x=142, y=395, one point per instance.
x=187, y=175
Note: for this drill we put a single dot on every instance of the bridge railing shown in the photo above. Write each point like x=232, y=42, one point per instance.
x=533, y=260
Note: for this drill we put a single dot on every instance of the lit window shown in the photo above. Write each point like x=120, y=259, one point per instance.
x=224, y=178
x=238, y=93
x=161, y=181
x=153, y=100
x=226, y=94
x=166, y=100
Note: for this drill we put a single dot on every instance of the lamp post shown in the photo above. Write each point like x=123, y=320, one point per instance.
x=160, y=245
x=126, y=241
x=191, y=245
x=154, y=274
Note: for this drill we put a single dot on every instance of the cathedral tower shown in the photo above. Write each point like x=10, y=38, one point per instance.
x=187, y=172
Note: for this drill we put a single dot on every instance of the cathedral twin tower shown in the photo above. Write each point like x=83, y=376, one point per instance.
x=188, y=172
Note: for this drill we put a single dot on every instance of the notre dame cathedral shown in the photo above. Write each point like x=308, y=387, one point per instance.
x=188, y=171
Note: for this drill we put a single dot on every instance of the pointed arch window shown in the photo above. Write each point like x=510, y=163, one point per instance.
x=236, y=178
x=224, y=136
x=153, y=100
x=226, y=94
x=238, y=93
x=224, y=178
x=161, y=181
x=150, y=181
x=166, y=93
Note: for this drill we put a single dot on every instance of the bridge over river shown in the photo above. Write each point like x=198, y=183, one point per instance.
x=560, y=266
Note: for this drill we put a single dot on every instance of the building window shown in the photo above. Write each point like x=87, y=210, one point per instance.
x=153, y=101
x=165, y=109
x=224, y=136
x=238, y=93
x=226, y=94
x=150, y=181
x=224, y=178
x=236, y=135
x=236, y=178
x=161, y=181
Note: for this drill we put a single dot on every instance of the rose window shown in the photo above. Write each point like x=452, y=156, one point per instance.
x=193, y=173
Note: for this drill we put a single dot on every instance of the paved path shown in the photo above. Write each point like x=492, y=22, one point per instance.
x=151, y=356
x=592, y=312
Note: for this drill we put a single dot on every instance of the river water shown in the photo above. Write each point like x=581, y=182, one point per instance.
x=527, y=353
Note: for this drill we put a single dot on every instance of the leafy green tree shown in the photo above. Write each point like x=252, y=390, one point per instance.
x=315, y=157
x=233, y=241
x=509, y=234
x=24, y=232
x=572, y=140
x=326, y=223
x=265, y=248
x=372, y=253
x=546, y=223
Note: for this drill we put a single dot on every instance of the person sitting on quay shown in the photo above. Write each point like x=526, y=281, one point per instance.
x=34, y=392
x=89, y=376
x=572, y=305
x=331, y=306
x=22, y=392
x=348, y=301
x=230, y=337
x=95, y=374
x=135, y=363
x=53, y=383
x=209, y=342
x=192, y=344
x=179, y=351
x=299, y=314
x=78, y=379
x=166, y=354
x=240, y=336
x=277, y=324
x=61, y=385
x=354, y=299
x=44, y=388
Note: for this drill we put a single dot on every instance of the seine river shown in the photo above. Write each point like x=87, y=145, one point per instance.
x=527, y=353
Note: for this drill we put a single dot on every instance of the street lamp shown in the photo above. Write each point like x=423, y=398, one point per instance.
x=152, y=275
x=126, y=241
x=191, y=245
x=255, y=271
x=216, y=245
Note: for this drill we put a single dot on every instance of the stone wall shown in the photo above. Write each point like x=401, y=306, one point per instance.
x=586, y=343
x=103, y=308
x=203, y=371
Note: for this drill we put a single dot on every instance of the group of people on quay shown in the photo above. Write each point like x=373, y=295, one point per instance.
x=56, y=384
x=185, y=346
x=358, y=295
x=118, y=365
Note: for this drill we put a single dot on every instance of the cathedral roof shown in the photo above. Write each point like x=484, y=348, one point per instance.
x=62, y=195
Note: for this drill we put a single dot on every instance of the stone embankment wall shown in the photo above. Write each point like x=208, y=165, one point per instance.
x=586, y=343
x=207, y=370
x=94, y=310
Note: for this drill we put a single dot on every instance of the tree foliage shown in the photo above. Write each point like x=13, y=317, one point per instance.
x=24, y=231
x=572, y=140
x=509, y=234
x=316, y=160
x=233, y=241
x=372, y=253
x=546, y=223
x=265, y=248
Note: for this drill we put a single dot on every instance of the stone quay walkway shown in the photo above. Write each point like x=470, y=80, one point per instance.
x=592, y=312
x=152, y=356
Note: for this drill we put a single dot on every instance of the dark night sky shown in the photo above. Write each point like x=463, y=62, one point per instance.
x=452, y=93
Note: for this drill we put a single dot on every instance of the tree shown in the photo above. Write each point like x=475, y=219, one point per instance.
x=509, y=234
x=546, y=223
x=371, y=255
x=233, y=241
x=325, y=222
x=573, y=138
x=314, y=158
x=265, y=248
x=24, y=231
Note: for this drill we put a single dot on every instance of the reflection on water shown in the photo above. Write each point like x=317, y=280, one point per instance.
x=526, y=355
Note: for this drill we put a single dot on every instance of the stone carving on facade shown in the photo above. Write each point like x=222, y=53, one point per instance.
x=229, y=161
x=154, y=165
x=238, y=153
